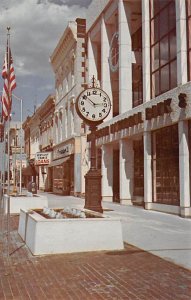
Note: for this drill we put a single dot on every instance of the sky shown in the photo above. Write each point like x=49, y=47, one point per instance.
x=36, y=27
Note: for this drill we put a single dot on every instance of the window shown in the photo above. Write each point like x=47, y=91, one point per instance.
x=165, y=165
x=60, y=127
x=72, y=119
x=137, y=80
x=188, y=9
x=66, y=122
x=163, y=46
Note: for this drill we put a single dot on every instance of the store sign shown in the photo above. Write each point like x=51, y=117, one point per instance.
x=64, y=151
x=42, y=158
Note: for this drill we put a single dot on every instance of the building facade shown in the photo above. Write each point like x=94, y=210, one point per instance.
x=69, y=141
x=31, y=127
x=46, y=116
x=140, y=52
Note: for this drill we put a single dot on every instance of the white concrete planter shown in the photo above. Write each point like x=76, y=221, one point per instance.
x=17, y=203
x=51, y=236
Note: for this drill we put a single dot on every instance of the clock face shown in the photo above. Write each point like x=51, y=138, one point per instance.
x=93, y=105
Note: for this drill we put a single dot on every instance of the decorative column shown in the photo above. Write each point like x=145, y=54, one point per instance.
x=55, y=128
x=92, y=52
x=147, y=170
x=105, y=70
x=125, y=57
x=107, y=173
x=184, y=172
x=146, y=50
x=126, y=161
x=181, y=42
x=66, y=121
x=60, y=124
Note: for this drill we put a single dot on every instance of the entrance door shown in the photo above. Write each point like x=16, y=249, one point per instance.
x=116, y=175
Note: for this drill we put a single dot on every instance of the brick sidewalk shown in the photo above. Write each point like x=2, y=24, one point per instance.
x=128, y=274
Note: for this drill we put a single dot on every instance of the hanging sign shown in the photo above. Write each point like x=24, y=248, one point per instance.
x=42, y=158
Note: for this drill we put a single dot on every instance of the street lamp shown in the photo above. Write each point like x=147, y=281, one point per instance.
x=21, y=146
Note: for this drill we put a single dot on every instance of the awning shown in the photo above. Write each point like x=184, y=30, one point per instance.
x=58, y=161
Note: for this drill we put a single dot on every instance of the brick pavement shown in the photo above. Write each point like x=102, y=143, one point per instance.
x=128, y=274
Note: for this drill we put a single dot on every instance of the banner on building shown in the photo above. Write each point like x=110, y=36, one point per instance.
x=42, y=158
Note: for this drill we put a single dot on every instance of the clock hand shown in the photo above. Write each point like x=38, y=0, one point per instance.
x=94, y=104
x=99, y=104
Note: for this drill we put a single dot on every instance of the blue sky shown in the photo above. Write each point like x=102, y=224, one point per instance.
x=36, y=27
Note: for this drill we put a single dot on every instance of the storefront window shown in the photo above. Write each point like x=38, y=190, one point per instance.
x=163, y=46
x=63, y=177
x=58, y=179
x=188, y=8
x=165, y=165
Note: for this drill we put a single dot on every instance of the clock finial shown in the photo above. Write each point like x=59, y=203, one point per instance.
x=93, y=81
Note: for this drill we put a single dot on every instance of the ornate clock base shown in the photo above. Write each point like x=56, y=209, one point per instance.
x=93, y=190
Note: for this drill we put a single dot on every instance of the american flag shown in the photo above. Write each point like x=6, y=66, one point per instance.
x=8, y=75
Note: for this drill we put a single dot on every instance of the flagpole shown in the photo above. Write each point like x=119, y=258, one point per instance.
x=21, y=142
x=8, y=142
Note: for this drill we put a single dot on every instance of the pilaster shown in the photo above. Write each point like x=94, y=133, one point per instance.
x=181, y=42
x=147, y=170
x=105, y=70
x=107, y=173
x=125, y=57
x=126, y=159
x=146, y=50
x=184, y=172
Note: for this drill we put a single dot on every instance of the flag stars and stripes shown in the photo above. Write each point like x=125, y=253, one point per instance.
x=8, y=75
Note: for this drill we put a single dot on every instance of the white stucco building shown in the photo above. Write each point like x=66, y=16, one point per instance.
x=140, y=52
x=69, y=143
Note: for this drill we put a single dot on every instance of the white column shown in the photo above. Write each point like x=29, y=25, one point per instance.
x=181, y=42
x=92, y=58
x=126, y=159
x=184, y=173
x=107, y=173
x=125, y=57
x=105, y=70
x=146, y=50
x=147, y=170
x=55, y=129
x=66, y=121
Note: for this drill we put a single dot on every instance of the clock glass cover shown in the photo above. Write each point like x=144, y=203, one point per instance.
x=93, y=105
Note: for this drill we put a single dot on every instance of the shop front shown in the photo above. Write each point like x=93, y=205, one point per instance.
x=62, y=168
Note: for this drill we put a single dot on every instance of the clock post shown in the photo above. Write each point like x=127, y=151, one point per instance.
x=93, y=178
x=93, y=106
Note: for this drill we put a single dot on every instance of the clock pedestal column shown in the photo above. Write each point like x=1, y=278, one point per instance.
x=93, y=179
